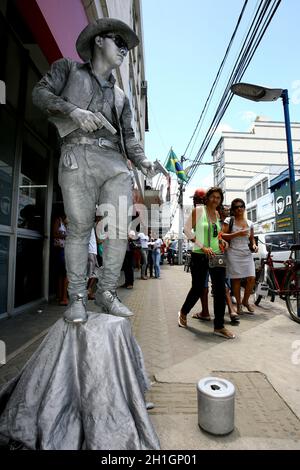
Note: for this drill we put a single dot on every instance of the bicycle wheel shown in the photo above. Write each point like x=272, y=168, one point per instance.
x=260, y=278
x=293, y=296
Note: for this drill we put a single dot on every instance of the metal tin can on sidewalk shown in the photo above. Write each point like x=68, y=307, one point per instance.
x=216, y=405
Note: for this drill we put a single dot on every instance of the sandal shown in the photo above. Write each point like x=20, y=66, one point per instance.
x=250, y=309
x=234, y=318
x=224, y=333
x=239, y=309
x=182, y=323
x=201, y=317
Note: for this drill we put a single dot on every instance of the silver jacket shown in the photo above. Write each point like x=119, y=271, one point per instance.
x=68, y=85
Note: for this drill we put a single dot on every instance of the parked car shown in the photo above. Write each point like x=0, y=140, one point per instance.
x=280, y=243
x=280, y=247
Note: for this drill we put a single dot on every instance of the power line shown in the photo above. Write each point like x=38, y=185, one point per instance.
x=218, y=74
x=245, y=35
x=257, y=8
x=227, y=96
x=253, y=171
x=255, y=35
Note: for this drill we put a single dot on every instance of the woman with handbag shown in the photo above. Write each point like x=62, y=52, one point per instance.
x=203, y=228
x=239, y=232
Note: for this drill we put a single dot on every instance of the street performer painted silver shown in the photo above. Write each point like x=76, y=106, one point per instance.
x=93, y=167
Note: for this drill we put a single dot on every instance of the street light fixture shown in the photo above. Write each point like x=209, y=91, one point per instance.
x=260, y=93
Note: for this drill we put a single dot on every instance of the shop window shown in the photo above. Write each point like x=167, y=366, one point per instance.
x=12, y=61
x=33, y=185
x=4, y=249
x=33, y=115
x=7, y=156
x=29, y=270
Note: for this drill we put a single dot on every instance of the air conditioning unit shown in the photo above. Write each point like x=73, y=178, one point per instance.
x=144, y=88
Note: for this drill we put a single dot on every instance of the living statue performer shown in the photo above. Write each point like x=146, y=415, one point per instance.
x=84, y=387
x=84, y=99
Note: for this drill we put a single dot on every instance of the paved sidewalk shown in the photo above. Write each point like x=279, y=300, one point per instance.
x=261, y=362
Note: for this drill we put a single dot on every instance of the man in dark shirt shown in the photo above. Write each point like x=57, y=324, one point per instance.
x=93, y=165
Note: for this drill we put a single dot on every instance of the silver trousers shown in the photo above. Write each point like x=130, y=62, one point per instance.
x=90, y=175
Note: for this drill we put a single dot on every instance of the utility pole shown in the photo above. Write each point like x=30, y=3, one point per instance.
x=181, y=218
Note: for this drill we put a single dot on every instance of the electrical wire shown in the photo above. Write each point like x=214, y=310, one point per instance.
x=248, y=27
x=216, y=80
x=255, y=35
x=253, y=171
x=257, y=8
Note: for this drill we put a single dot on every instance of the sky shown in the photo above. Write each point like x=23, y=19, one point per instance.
x=184, y=43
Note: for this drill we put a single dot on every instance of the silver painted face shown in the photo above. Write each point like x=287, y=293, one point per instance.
x=114, y=50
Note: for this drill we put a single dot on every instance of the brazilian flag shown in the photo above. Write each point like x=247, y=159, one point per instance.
x=175, y=166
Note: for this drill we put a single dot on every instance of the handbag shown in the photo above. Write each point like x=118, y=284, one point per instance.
x=217, y=261
x=251, y=248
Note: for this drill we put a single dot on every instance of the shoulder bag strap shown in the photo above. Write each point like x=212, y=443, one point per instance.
x=231, y=223
x=208, y=233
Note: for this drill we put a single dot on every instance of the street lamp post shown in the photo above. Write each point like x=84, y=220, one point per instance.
x=260, y=93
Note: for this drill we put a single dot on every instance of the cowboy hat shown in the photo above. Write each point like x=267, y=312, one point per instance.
x=100, y=27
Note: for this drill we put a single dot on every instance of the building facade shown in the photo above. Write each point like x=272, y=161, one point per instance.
x=34, y=34
x=260, y=201
x=243, y=155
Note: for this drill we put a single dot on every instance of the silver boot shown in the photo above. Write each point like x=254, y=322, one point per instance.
x=76, y=312
x=112, y=304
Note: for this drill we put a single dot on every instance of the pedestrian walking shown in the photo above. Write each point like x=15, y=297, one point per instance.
x=156, y=256
x=239, y=232
x=128, y=267
x=144, y=244
x=204, y=230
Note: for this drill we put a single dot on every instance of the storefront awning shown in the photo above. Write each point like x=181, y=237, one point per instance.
x=55, y=25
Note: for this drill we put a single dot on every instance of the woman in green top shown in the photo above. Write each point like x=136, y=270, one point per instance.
x=203, y=228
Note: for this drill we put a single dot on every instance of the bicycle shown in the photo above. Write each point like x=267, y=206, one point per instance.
x=280, y=281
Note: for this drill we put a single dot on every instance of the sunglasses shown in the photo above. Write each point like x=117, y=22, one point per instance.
x=238, y=207
x=119, y=42
x=215, y=230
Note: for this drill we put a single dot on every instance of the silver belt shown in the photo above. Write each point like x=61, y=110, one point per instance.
x=101, y=142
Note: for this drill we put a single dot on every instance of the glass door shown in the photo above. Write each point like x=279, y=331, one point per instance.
x=33, y=185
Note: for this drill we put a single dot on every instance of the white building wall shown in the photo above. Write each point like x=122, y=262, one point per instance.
x=243, y=155
x=131, y=75
x=132, y=72
x=262, y=205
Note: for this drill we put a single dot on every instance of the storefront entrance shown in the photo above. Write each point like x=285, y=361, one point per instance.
x=26, y=171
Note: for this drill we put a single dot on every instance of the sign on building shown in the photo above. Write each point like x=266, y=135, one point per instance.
x=283, y=206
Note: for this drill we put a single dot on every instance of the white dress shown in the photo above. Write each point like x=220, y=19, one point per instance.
x=240, y=261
